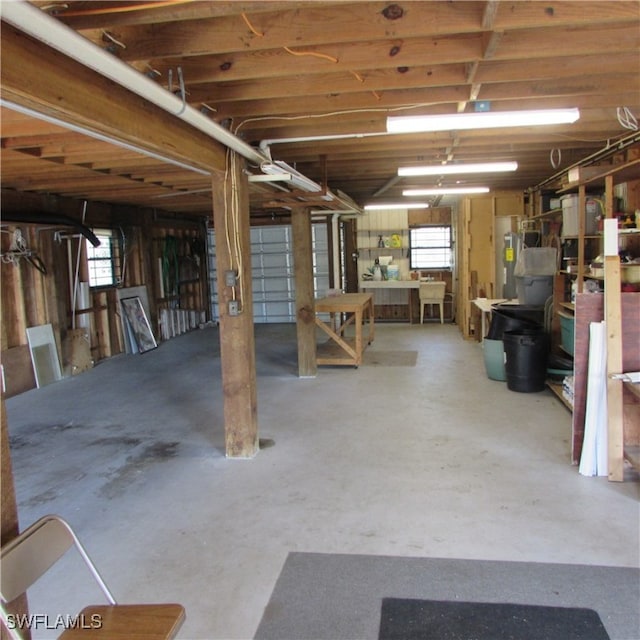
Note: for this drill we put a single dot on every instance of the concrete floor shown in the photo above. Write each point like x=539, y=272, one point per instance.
x=432, y=460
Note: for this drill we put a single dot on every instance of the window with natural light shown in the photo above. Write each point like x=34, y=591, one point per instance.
x=102, y=260
x=430, y=247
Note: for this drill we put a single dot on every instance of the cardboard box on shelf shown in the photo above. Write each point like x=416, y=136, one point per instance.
x=580, y=174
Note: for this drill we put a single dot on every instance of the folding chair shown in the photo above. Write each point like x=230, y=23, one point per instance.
x=30, y=555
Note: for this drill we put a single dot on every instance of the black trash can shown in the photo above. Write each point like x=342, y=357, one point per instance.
x=513, y=318
x=531, y=312
x=526, y=351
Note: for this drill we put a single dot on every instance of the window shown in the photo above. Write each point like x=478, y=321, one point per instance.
x=103, y=259
x=430, y=247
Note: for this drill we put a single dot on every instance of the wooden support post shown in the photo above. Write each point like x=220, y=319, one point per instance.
x=305, y=299
x=8, y=507
x=613, y=318
x=237, y=341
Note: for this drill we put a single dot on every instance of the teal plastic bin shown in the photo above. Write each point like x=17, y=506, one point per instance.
x=494, y=359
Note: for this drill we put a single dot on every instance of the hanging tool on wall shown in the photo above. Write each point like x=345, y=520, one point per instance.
x=170, y=266
x=18, y=250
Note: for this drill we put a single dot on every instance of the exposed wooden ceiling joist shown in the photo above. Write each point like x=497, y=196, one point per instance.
x=297, y=70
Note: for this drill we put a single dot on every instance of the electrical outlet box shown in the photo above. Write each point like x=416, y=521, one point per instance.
x=233, y=308
x=230, y=278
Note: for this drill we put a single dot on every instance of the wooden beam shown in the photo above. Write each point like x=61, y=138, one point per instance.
x=8, y=508
x=489, y=16
x=305, y=301
x=237, y=341
x=38, y=77
x=613, y=323
x=350, y=22
x=613, y=318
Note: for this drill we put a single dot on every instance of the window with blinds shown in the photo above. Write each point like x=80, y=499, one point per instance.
x=430, y=247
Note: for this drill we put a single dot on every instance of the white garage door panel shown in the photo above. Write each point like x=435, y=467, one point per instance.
x=272, y=274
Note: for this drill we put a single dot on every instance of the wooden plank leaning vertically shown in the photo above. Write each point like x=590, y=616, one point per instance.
x=305, y=302
x=613, y=319
x=237, y=341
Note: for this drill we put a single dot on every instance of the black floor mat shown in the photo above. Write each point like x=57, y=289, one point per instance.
x=408, y=619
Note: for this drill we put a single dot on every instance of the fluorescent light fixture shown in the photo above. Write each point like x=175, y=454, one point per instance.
x=444, y=191
x=481, y=120
x=275, y=177
x=396, y=205
x=455, y=169
x=297, y=179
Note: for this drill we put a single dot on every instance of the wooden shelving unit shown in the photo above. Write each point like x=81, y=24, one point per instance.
x=556, y=389
x=589, y=307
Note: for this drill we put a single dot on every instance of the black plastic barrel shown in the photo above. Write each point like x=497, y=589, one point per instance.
x=526, y=352
x=513, y=318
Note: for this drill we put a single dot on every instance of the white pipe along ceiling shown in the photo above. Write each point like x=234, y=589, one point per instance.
x=36, y=23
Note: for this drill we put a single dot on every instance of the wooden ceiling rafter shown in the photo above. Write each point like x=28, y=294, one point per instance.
x=372, y=58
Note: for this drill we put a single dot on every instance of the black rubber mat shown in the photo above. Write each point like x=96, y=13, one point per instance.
x=410, y=619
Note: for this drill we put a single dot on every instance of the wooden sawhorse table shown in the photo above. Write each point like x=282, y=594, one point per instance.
x=351, y=308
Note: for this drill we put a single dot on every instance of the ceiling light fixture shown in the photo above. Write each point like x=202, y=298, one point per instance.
x=481, y=120
x=276, y=177
x=455, y=169
x=444, y=191
x=297, y=179
x=396, y=205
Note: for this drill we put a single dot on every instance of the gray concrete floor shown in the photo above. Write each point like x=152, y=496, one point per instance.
x=431, y=460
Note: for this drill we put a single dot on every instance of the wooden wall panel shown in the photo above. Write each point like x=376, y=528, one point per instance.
x=30, y=298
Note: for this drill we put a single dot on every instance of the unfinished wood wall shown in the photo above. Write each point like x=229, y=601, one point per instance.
x=476, y=252
x=30, y=298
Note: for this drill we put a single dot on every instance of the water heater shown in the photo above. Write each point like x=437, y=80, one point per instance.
x=509, y=257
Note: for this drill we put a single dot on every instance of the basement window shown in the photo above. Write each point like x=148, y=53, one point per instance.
x=103, y=260
x=430, y=247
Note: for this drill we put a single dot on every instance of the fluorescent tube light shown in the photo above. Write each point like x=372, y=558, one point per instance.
x=455, y=169
x=444, y=191
x=298, y=180
x=396, y=205
x=481, y=120
x=275, y=177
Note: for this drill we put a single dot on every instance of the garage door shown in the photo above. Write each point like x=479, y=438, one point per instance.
x=272, y=275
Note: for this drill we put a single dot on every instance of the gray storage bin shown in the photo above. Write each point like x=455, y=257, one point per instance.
x=534, y=290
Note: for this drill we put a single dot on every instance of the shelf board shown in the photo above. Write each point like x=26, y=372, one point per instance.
x=622, y=172
x=556, y=389
x=632, y=455
x=568, y=305
x=546, y=214
x=586, y=274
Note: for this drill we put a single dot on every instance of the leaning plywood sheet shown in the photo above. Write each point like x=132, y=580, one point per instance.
x=17, y=371
x=44, y=355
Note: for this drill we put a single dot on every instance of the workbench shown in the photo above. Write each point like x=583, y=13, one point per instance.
x=345, y=310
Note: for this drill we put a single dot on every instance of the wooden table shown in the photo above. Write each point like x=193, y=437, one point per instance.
x=486, y=305
x=345, y=310
x=127, y=622
x=387, y=285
